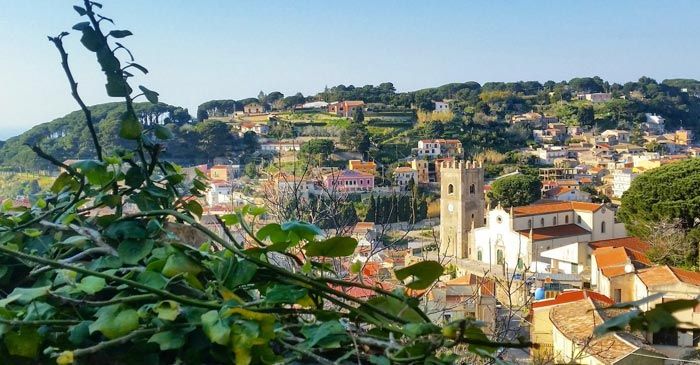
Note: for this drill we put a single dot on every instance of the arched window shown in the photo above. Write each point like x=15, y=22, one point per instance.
x=520, y=263
x=450, y=189
x=554, y=221
x=542, y=222
x=479, y=255
x=499, y=257
x=472, y=190
x=566, y=219
x=579, y=219
x=602, y=227
x=529, y=223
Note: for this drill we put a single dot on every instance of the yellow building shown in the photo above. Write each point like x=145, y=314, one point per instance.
x=367, y=167
x=421, y=167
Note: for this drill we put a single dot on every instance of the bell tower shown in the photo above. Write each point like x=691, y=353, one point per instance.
x=461, y=206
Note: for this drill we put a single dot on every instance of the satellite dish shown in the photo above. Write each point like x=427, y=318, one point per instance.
x=629, y=268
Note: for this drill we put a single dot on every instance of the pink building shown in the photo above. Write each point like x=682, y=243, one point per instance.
x=348, y=181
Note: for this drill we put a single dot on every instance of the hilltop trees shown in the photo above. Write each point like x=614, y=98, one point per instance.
x=517, y=190
x=671, y=194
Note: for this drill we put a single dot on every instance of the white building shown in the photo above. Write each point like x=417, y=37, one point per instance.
x=441, y=106
x=403, y=176
x=654, y=123
x=548, y=154
x=622, y=179
x=439, y=147
x=615, y=136
x=223, y=193
x=518, y=237
x=280, y=146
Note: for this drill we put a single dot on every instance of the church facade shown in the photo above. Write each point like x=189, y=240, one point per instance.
x=512, y=238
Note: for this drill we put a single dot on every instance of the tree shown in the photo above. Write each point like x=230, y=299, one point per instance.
x=250, y=142
x=585, y=115
x=517, y=190
x=668, y=193
x=434, y=129
x=321, y=148
x=215, y=138
x=251, y=170
x=356, y=137
x=359, y=116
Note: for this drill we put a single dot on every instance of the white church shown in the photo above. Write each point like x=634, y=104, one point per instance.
x=550, y=236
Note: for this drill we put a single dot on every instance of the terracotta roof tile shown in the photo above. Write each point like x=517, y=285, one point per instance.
x=688, y=277
x=632, y=243
x=666, y=275
x=572, y=296
x=547, y=233
x=554, y=207
x=574, y=320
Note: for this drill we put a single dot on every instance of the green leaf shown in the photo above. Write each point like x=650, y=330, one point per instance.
x=229, y=219
x=273, y=231
x=130, y=128
x=163, y=132
x=304, y=230
x=167, y=310
x=91, y=284
x=150, y=95
x=25, y=295
x=134, y=177
x=90, y=39
x=254, y=210
x=131, y=252
x=179, y=263
x=80, y=10
x=152, y=279
x=79, y=333
x=23, y=343
x=424, y=274
x=139, y=67
x=195, y=208
x=243, y=273
x=214, y=328
x=81, y=26
x=281, y=293
x=114, y=321
x=332, y=247
x=31, y=232
x=171, y=340
x=64, y=180
x=379, y=360
x=326, y=335
x=120, y=33
x=124, y=230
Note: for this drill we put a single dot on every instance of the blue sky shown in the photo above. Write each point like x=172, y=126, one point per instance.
x=216, y=49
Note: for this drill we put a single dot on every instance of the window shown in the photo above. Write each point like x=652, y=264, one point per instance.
x=499, y=257
x=602, y=227
x=520, y=263
x=472, y=190
x=574, y=268
x=529, y=223
x=542, y=222
x=450, y=189
x=566, y=220
x=554, y=221
x=499, y=219
x=617, y=295
x=579, y=219
x=479, y=255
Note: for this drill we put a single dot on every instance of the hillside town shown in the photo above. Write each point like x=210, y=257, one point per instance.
x=551, y=270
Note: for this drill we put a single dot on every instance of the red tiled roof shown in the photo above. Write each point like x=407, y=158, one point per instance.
x=572, y=296
x=666, y=275
x=688, y=277
x=547, y=233
x=554, y=207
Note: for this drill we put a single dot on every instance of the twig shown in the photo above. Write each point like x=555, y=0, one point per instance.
x=58, y=42
x=106, y=344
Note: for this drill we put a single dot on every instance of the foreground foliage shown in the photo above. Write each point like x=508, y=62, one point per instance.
x=112, y=265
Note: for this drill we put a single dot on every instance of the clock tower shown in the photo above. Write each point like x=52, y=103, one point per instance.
x=461, y=206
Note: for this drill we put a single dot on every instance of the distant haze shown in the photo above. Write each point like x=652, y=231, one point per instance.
x=208, y=49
